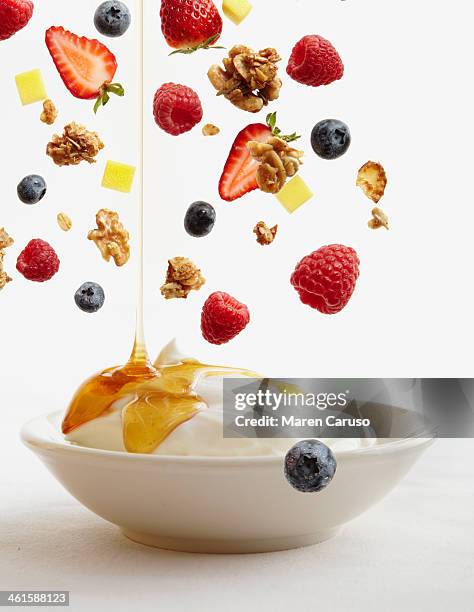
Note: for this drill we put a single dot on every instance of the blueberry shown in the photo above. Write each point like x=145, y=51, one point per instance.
x=31, y=189
x=112, y=18
x=310, y=466
x=199, y=219
x=330, y=138
x=90, y=297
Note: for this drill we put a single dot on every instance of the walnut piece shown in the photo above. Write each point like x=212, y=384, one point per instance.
x=111, y=237
x=379, y=219
x=249, y=80
x=5, y=242
x=278, y=161
x=76, y=144
x=372, y=180
x=50, y=113
x=182, y=278
x=64, y=221
x=265, y=235
x=210, y=130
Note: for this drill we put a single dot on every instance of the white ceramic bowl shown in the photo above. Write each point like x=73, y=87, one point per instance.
x=218, y=505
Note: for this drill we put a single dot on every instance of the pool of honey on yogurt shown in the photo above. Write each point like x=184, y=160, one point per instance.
x=155, y=399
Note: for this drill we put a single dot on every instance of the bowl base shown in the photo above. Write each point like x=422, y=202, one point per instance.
x=229, y=546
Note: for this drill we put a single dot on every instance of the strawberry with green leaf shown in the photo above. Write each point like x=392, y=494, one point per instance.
x=190, y=25
x=240, y=172
x=85, y=65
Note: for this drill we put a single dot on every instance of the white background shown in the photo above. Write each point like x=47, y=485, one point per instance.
x=407, y=98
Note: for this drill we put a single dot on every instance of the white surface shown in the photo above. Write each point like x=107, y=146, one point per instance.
x=412, y=552
x=407, y=70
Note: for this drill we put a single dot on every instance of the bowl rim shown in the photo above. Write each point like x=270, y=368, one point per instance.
x=34, y=439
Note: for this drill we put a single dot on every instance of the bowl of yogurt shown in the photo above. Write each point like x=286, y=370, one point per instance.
x=200, y=492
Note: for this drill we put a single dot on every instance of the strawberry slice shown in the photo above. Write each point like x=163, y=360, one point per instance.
x=85, y=65
x=240, y=171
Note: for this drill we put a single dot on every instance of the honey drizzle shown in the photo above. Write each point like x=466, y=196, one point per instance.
x=139, y=352
x=157, y=399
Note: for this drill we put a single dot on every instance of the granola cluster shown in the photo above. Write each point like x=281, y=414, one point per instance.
x=76, y=144
x=182, y=278
x=249, y=80
x=372, y=180
x=278, y=161
x=50, y=113
x=5, y=242
x=265, y=235
x=111, y=238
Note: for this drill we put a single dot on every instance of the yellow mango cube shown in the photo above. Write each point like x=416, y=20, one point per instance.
x=294, y=194
x=236, y=10
x=118, y=176
x=31, y=87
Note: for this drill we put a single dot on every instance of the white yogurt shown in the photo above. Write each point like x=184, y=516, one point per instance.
x=200, y=436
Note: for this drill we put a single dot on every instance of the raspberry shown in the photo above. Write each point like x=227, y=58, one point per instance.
x=314, y=61
x=326, y=279
x=38, y=261
x=223, y=318
x=177, y=108
x=14, y=15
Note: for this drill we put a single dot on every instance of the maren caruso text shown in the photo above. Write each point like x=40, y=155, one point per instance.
x=293, y=421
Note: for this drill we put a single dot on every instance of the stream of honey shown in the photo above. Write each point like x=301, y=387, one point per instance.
x=156, y=399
